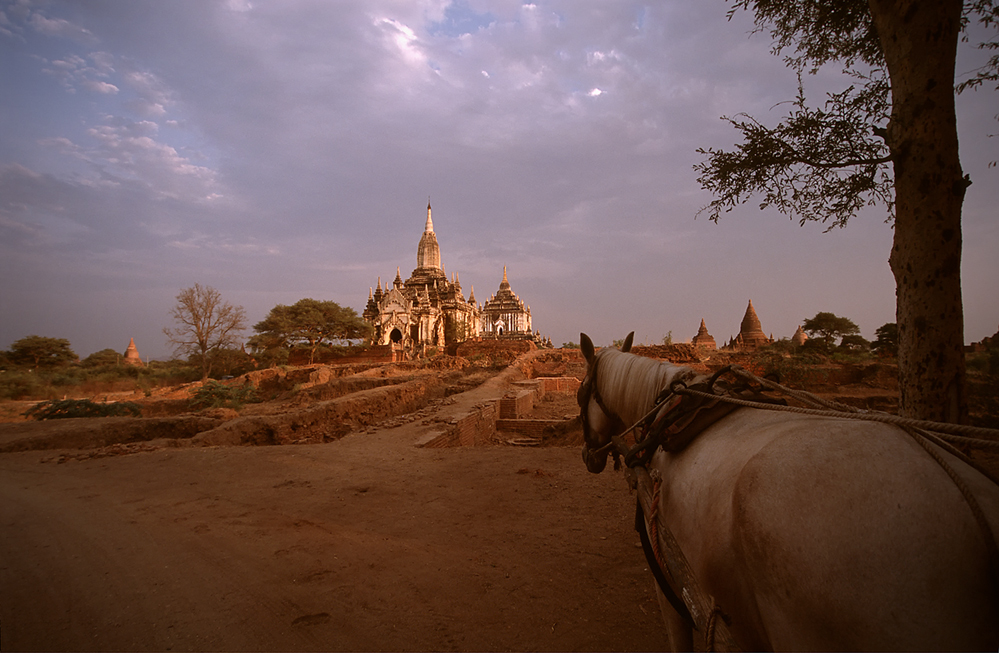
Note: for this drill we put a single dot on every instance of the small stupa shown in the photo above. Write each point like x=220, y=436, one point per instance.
x=799, y=337
x=132, y=354
x=703, y=339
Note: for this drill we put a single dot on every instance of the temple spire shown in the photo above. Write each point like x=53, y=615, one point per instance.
x=505, y=284
x=428, y=253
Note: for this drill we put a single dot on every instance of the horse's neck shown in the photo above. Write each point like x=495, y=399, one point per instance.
x=629, y=384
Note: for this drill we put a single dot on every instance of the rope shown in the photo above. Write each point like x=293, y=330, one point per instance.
x=886, y=418
x=709, y=635
x=653, y=514
x=800, y=395
x=969, y=498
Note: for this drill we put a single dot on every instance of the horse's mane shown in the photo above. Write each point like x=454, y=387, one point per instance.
x=631, y=383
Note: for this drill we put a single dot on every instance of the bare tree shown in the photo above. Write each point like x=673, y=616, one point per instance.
x=206, y=325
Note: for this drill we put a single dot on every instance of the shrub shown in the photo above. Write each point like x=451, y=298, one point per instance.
x=66, y=408
x=220, y=395
x=792, y=371
x=20, y=385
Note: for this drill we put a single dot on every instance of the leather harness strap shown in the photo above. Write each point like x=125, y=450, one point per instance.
x=656, y=566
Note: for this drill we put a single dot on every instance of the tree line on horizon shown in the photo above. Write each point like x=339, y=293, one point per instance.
x=207, y=333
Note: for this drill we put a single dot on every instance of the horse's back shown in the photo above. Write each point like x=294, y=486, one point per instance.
x=834, y=534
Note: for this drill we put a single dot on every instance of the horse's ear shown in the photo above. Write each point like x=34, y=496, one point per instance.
x=587, y=346
x=626, y=347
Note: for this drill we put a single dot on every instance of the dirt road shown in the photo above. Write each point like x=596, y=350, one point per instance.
x=367, y=543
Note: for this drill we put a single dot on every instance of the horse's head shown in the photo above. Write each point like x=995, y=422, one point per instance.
x=599, y=424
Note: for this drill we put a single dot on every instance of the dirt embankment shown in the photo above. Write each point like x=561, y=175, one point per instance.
x=314, y=404
x=323, y=403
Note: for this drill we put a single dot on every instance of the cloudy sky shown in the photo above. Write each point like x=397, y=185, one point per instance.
x=278, y=150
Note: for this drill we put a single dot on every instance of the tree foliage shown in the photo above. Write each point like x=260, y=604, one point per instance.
x=886, y=340
x=823, y=163
x=206, y=324
x=986, y=12
x=308, y=323
x=827, y=327
x=40, y=351
x=855, y=342
x=818, y=163
x=213, y=394
x=102, y=358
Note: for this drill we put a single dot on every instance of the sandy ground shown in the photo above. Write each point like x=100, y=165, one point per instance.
x=367, y=543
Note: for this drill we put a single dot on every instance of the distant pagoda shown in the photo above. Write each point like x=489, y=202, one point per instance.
x=799, y=337
x=751, y=336
x=704, y=339
x=132, y=354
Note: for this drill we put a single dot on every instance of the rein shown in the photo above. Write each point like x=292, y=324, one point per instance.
x=681, y=412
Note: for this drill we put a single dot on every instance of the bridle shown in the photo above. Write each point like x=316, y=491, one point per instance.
x=615, y=444
x=587, y=392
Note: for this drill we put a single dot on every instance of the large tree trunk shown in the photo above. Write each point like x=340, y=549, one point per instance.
x=919, y=39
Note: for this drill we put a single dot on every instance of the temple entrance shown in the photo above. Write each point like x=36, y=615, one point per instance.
x=395, y=336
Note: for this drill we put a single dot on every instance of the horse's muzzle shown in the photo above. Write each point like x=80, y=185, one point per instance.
x=595, y=461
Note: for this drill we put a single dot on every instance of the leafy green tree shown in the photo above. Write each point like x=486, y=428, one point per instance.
x=890, y=137
x=102, y=358
x=206, y=324
x=886, y=340
x=232, y=361
x=827, y=327
x=308, y=323
x=39, y=351
x=855, y=342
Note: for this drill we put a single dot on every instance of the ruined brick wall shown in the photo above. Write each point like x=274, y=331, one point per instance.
x=325, y=421
x=534, y=428
x=516, y=406
x=560, y=383
x=491, y=348
x=679, y=354
x=475, y=428
x=533, y=385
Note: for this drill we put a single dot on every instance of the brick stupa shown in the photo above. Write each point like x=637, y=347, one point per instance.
x=799, y=337
x=703, y=339
x=132, y=354
x=751, y=334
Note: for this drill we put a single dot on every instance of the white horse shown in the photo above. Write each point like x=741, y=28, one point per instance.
x=810, y=533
